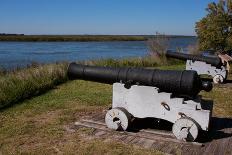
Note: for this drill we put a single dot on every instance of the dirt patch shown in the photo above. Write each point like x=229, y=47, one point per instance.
x=48, y=117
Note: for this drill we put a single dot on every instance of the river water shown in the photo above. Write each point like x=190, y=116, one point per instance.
x=20, y=54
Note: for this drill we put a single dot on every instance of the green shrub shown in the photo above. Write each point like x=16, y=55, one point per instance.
x=214, y=31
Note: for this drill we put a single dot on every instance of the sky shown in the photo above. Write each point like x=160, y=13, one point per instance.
x=132, y=17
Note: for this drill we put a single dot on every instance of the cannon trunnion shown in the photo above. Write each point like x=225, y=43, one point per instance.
x=142, y=93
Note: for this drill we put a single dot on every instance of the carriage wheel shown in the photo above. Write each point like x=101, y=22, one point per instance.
x=118, y=119
x=185, y=129
x=218, y=79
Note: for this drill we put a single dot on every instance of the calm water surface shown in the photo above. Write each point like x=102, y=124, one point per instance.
x=20, y=54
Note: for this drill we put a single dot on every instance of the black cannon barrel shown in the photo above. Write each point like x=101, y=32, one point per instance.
x=182, y=83
x=215, y=61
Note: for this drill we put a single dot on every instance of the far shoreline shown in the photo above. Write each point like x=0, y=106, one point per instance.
x=82, y=38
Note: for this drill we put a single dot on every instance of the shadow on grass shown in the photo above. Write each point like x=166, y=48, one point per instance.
x=13, y=104
x=220, y=128
x=228, y=81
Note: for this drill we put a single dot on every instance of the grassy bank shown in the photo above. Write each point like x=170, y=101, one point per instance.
x=39, y=125
x=80, y=37
x=18, y=85
x=21, y=84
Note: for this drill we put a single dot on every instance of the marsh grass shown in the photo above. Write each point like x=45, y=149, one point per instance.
x=147, y=61
x=157, y=48
x=2, y=71
x=194, y=49
x=25, y=83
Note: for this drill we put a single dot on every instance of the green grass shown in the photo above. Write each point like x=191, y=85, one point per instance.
x=222, y=101
x=147, y=61
x=37, y=125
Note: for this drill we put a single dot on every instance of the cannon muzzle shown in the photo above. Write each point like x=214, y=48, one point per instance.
x=214, y=61
x=180, y=83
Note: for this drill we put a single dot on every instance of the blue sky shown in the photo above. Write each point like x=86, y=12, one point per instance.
x=101, y=16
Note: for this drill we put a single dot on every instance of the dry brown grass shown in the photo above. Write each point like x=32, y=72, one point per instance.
x=194, y=49
x=157, y=47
